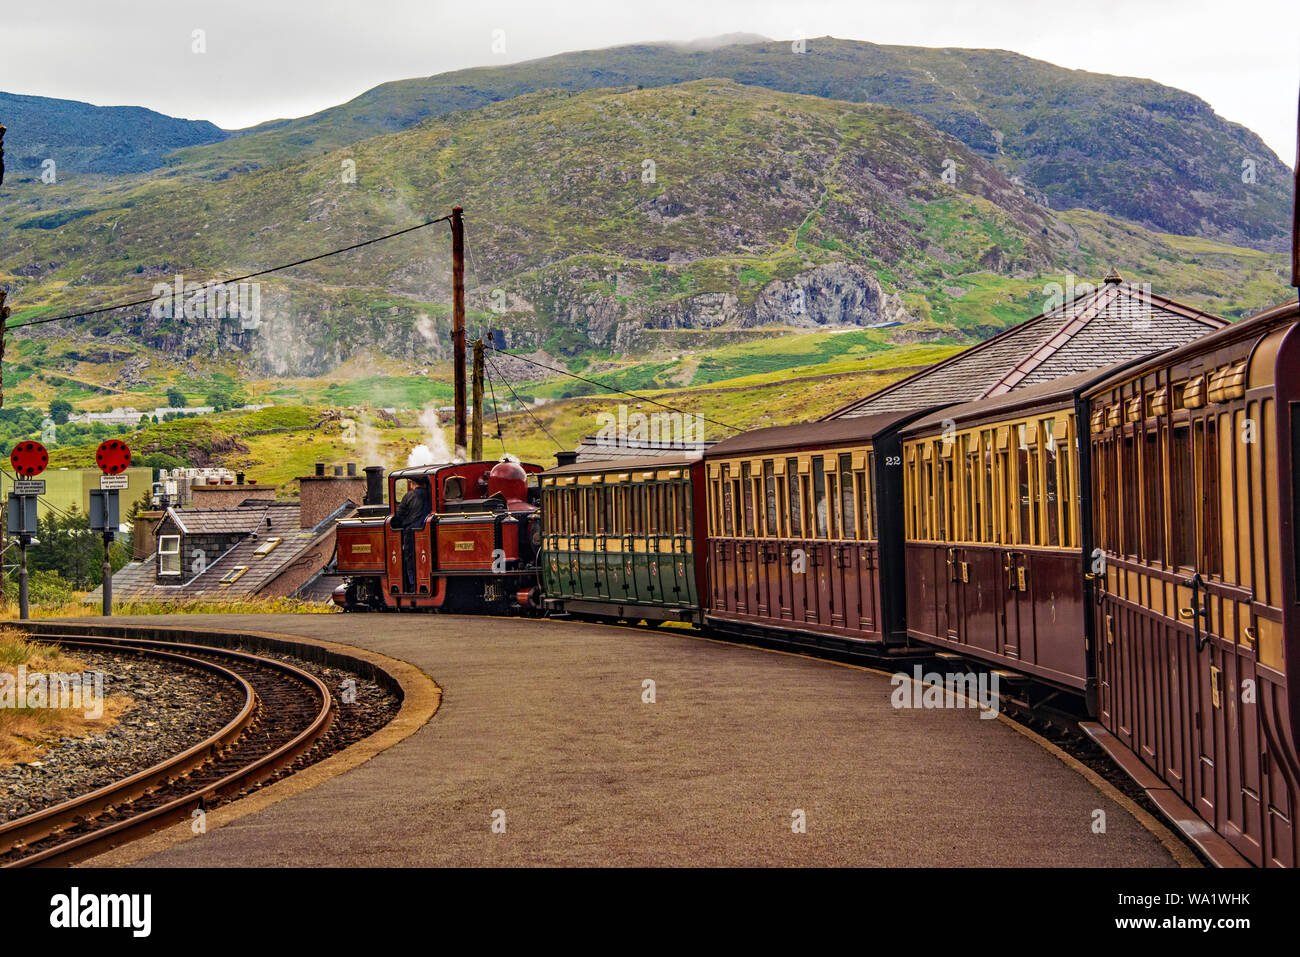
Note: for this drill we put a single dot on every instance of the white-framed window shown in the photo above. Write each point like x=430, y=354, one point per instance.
x=169, y=554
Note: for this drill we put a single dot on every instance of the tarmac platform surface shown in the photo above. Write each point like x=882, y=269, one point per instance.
x=545, y=721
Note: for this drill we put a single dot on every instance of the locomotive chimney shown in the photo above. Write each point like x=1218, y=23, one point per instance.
x=374, y=485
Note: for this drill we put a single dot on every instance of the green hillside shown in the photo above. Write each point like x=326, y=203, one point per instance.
x=767, y=209
x=1128, y=147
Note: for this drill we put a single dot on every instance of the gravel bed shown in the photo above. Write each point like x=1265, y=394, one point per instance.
x=173, y=708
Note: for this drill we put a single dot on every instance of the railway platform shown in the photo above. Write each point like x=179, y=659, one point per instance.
x=549, y=747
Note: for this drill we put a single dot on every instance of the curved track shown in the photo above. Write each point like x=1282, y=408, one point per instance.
x=284, y=712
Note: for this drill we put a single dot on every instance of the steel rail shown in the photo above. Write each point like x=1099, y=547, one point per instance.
x=181, y=807
x=42, y=824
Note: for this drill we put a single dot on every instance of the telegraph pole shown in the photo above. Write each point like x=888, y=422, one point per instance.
x=4, y=310
x=476, y=431
x=458, y=322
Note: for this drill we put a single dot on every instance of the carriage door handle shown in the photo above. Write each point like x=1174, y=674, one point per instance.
x=1197, y=611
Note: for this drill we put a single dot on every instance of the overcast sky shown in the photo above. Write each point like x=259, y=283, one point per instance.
x=281, y=58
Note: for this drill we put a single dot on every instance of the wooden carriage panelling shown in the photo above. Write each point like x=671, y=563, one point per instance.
x=1197, y=584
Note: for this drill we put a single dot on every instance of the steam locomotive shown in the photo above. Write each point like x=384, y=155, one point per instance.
x=455, y=538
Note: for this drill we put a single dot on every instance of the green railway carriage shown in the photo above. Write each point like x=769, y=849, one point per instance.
x=618, y=539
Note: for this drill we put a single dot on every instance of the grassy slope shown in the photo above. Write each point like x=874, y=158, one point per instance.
x=278, y=445
x=1121, y=145
x=761, y=185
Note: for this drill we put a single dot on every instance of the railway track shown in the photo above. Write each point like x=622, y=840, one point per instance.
x=285, y=711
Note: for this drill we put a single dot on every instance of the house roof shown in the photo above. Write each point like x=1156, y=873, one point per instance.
x=1117, y=322
x=255, y=523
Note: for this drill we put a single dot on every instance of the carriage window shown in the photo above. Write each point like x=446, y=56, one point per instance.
x=848, y=517
x=747, y=490
x=869, y=496
x=923, y=499
x=910, y=507
x=726, y=501
x=1065, y=490
x=864, y=498
x=832, y=503
x=943, y=468
x=1208, y=462
x=715, y=506
x=1128, y=492
x=1022, y=475
x=1182, y=497
x=591, y=494
x=1153, y=511
x=794, y=501
x=769, y=499
x=819, y=495
x=987, y=444
x=679, y=508
x=1051, y=493
x=970, y=479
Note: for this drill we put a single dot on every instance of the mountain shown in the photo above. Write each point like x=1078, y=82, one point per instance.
x=1126, y=147
x=82, y=138
x=599, y=223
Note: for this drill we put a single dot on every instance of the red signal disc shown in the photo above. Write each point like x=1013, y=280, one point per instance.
x=29, y=458
x=113, y=456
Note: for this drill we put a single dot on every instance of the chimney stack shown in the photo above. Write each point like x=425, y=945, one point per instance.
x=374, y=485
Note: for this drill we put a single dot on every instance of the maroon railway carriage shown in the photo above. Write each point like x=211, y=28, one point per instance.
x=459, y=537
x=1195, y=455
x=802, y=532
x=995, y=536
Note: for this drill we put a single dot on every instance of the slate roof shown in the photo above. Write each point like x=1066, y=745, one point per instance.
x=137, y=580
x=1117, y=322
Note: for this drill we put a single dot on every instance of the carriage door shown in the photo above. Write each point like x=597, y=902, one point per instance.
x=792, y=578
x=1194, y=529
x=1018, y=610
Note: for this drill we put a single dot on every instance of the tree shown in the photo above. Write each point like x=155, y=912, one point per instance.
x=60, y=409
x=175, y=398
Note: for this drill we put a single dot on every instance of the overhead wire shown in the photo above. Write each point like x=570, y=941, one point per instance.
x=522, y=403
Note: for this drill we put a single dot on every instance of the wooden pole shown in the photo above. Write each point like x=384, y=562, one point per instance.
x=458, y=323
x=476, y=429
x=1295, y=217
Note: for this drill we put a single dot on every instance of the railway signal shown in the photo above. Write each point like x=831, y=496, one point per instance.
x=29, y=459
x=113, y=458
